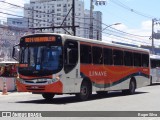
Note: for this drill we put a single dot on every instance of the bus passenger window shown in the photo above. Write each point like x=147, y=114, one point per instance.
x=97, y=55
x=85, y=54
x=118, y=57
x=128, y=58
x=108, y=59
x=137, y=59
x=145, y=60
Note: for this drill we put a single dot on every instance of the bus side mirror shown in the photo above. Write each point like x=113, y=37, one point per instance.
x=15, y=52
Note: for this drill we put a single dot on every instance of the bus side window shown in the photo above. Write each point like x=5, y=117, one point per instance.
x=70, y=55
x=108, y=59
x=137, y=60
x=118, y=57
x=145, y=60
x=85, y=54
x=97, y=55
x=128, y=58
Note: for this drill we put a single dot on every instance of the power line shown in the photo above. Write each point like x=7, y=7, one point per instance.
x=121, y=30
x=117, y=2
x=122, y=37
x=63, y=16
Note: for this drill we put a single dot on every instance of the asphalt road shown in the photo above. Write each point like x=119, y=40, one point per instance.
x=145, y=99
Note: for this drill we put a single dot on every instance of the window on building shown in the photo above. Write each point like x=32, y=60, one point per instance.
x=59, y=9
x=58, y=5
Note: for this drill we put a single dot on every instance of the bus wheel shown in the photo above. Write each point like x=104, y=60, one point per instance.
x=102, y=93
x=85, y=91
x=48, y=96
x=151, y=81
x=132, y=88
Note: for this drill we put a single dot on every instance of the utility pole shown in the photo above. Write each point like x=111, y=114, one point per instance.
x=73, y=27
x=153, y=36
x=73, y=17
x=97, y=2
x=91, y=20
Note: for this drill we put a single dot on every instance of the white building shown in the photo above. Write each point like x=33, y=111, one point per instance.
x=47, y=13
x=17, y=22
x=97, y=24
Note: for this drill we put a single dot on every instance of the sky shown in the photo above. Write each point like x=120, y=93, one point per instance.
x=134, y=16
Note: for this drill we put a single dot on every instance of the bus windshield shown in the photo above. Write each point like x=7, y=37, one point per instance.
x=40, y=59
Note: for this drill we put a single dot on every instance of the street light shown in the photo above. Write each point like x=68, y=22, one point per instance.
x=111, y=25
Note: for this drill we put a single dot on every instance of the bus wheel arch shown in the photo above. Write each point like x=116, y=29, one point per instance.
x=85, y=89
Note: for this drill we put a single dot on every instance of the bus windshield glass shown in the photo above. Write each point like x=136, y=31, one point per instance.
x=40, y=59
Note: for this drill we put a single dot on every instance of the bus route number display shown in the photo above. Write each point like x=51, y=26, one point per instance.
x=40, y=39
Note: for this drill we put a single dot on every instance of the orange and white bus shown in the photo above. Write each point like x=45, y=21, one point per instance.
x=155, y=68
x=52, y=64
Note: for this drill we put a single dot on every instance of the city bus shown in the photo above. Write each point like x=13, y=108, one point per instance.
x=52, y=64
x=155, y=68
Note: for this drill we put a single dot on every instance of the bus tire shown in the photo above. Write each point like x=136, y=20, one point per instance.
x=151, y=81
x=132, y=87
x=85, y=90
x=48, y=96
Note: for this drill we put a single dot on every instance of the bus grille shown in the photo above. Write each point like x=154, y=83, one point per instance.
x=29, y=81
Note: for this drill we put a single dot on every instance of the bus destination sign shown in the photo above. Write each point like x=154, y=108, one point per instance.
x=40, y=39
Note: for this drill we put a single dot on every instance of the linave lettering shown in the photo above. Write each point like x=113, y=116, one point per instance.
x=97, y=73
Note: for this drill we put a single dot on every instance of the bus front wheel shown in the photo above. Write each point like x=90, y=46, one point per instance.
x=48, y=96
x=85, y=91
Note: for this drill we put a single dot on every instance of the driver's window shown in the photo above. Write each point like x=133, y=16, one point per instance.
x=70, y=55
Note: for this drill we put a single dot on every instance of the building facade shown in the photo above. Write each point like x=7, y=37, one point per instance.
x=50, y=13
x=17, y=22
x=97, y=24
x=9, y=36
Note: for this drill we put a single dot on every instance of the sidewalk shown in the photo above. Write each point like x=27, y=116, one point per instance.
x=14, y=93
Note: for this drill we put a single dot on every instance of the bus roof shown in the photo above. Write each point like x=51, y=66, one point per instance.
x=93, y=41
x=104, y=43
